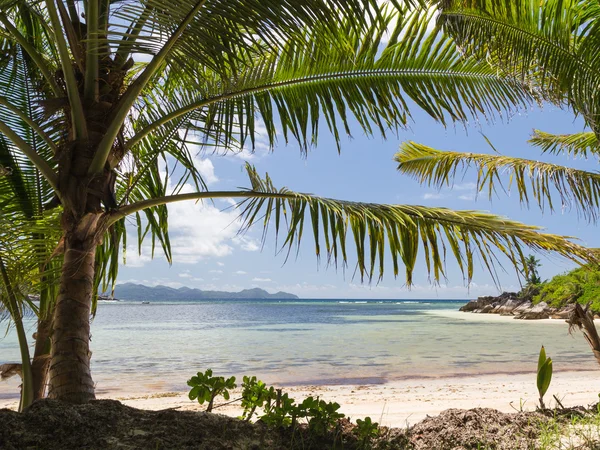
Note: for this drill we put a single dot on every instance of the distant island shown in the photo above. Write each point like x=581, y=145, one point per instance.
x=131, y=291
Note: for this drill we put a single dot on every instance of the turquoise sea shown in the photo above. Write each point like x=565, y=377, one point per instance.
x=156, y=347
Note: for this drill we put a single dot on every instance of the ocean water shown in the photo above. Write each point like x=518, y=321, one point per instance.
x=146, y=348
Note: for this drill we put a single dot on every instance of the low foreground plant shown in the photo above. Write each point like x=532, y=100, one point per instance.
x=321, y=415
x=205, y=388
x=366, y=430
x=544, y=375
x=255, y=394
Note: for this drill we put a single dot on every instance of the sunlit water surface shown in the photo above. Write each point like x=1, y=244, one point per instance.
x=157, y=347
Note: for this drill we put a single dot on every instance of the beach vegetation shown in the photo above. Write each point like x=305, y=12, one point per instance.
x=255, y=394
x=100, y=100
x=281, y=412
x=205, y=388
x=581, y=285
x=530, y=270
x=321, y=415
x=533, y=282
x=544, y=375
x=366, y=430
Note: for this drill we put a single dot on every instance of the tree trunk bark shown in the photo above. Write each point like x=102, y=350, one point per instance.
x=70, y=376
x=583, y=319
x=41, y=358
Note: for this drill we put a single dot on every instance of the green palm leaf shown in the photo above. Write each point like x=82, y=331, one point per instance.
x=405, y=230
x=375, y=231
x=540, y=180
x=302, y=81
x=576, y=144
x=550, y=44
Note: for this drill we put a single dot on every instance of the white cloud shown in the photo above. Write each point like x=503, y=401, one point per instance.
x=132, y=256
x=261, y=145
x=185, y=275
x=247, y=243
x=215, y=271
x=197, y=230
x=262, y=280
x=469, y=197
x=206, y=169
x=240, y=272
x=154, y=282
x=465, y=186
x=432, y=196
x=220, y=264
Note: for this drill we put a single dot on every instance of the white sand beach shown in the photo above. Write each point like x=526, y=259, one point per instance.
x=405, y=402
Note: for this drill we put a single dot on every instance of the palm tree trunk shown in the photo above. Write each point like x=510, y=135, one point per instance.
x=583, y=319
x=41, y=357
x=70, y=376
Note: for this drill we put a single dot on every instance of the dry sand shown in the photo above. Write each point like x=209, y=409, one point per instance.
x=399, y=403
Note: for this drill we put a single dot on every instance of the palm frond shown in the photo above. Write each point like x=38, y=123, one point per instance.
x=219, y=30
x=375, y=231
x=405, y=230
x=542, y=181
x=550, y=44
x=577, y=144
x=303, y=83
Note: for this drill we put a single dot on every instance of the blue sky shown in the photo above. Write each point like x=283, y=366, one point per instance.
x=208, y=253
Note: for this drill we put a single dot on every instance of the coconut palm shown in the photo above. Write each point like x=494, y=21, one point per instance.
x=530, y=270
x=124, y=84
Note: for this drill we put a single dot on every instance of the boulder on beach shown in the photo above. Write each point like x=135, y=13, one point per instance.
x=510, y=304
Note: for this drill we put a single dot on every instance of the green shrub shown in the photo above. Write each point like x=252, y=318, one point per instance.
x=581, y=285
x=281, y=412
x=321, y=415
x=366, y=430
x=255, y=394
x=205, y=388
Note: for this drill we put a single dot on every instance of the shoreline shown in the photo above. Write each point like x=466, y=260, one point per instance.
x=401, y=402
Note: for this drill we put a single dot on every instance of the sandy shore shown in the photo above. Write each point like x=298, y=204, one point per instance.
x=405, y=402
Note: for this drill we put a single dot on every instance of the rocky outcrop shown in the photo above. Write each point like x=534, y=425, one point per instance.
x=510, y=304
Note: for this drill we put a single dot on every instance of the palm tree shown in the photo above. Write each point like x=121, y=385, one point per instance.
x=554, y=47
x=531, y=270
x=123, y=83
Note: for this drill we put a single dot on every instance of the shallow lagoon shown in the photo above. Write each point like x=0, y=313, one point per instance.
x=157, y=347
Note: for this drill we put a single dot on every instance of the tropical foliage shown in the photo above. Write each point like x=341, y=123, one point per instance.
x=531, y=270
x=581, y=285
x=553, y=46
x=108, y=95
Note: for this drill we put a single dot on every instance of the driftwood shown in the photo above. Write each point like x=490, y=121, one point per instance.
x=583, y=319
x=10, y=370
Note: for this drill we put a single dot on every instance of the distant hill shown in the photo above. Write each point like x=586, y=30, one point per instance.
x=131, y=291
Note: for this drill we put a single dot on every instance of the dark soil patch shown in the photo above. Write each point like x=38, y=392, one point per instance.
x=107, y=424
x=479, y=428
